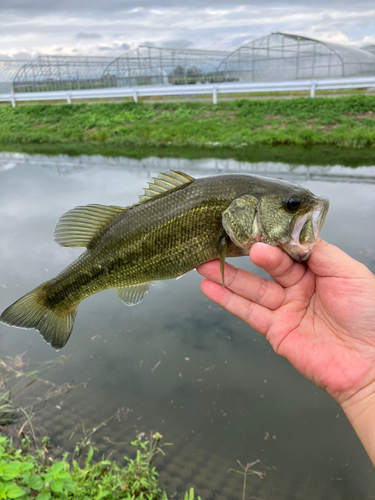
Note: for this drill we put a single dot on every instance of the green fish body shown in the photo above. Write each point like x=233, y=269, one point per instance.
x=178, y=224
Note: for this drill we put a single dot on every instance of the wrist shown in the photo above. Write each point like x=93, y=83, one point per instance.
x=360, y=411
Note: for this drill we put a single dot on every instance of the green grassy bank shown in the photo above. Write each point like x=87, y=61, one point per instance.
x=345, y=122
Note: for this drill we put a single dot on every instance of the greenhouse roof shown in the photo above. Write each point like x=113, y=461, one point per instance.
x=9, y=69
x=369, y=48
x=288, y=56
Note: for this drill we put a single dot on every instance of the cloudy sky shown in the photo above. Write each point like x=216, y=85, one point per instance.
x=109, y=27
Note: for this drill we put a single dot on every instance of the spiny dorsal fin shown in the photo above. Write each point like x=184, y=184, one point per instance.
x=132, y=295
x=78, y=227
x=166, y=182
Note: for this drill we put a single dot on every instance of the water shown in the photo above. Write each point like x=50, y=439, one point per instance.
x=177, y=363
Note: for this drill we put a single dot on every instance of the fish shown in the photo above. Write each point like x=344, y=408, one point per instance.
x=178, y=224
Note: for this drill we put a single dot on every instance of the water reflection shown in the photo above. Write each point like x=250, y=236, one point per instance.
x=67, y=165
x=183, y=366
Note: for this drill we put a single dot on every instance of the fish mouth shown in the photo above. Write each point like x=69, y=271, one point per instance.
x=306, y=230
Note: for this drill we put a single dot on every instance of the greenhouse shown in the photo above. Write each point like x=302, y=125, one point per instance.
x=163, y=66
x=61, y=73
x=282, y=56
x=8, y=71
x=275, y=57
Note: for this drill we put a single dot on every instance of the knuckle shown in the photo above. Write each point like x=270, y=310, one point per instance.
x=231, y=275
x=227, y=301
x=262, y=291
x=249, y=314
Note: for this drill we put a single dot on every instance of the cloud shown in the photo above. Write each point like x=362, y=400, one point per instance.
x=42, y=26
x=177, y=44
x=46, y=6
x=115, y=47
x=87, y=36
x=22, y=56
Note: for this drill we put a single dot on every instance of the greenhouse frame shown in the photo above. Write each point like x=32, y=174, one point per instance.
x=275, y=57
x=369, y=48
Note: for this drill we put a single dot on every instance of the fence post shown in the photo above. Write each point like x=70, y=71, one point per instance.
x=135, y=96
x=214, y=95
x=312, y=88
x=69, y=101
x=12, y=99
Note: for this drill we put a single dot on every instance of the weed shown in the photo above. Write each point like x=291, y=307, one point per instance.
x=29, y=476
x=14, y=380
x=247, y=471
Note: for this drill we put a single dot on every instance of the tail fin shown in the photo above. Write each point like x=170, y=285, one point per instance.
x=31, y=311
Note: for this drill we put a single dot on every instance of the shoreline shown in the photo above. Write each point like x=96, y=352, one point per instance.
x=324, y=155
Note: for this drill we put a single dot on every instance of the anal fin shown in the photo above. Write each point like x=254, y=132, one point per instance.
x=132, y=295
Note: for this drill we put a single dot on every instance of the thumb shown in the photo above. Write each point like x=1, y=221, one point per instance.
x=328, y=260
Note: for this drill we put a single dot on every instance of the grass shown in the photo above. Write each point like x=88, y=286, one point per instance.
x=35, y=476
x=345, y=122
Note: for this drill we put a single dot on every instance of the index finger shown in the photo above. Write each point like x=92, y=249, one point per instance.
x=282, y=268
x=245, y=284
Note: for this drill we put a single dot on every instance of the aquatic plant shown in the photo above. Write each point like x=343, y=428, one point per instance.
x=15, y=379
x=247, y=470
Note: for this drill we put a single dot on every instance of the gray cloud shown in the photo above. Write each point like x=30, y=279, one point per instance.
x=71, y=27
x=87, y=36
x=21, y=56
x=177, y=44
x=89, y=6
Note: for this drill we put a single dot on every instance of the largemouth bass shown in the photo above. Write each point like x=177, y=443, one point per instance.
x=179, y=223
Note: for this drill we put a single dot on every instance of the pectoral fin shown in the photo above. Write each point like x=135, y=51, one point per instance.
x=223, y=246
x=132, y=295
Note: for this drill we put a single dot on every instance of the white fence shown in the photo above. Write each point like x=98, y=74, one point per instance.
x=194, y=90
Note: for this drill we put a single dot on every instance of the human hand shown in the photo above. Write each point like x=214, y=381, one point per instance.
x=320, y=316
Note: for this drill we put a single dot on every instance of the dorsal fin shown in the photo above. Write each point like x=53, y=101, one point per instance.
x=78, y=227
x=165, y=183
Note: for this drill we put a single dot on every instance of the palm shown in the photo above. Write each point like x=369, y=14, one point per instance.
x=316, y=320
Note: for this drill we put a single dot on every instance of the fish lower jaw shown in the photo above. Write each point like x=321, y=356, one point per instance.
x=298, y=252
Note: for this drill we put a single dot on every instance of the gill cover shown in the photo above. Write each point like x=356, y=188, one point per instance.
x=240, y=221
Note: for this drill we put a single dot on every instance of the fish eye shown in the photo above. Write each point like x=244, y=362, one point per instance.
x=293, y=203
